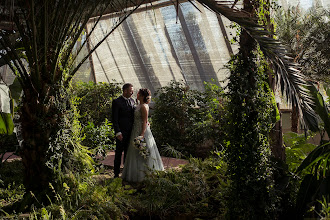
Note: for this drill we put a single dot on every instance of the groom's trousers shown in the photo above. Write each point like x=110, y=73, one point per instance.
x=121, y=146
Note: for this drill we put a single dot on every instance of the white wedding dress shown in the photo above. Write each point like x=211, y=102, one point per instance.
x=135, y=165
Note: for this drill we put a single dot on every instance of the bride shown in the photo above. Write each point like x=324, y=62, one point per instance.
x=136, y=165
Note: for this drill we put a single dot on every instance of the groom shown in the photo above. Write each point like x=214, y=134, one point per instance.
x=122, y=119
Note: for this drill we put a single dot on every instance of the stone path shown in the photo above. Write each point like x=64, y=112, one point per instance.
x=167, y=161
x=108, y=161
x=9, y=156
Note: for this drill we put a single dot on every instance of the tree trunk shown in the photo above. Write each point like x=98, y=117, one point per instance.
x=294, y=119
x=247, y=44
x=37, y=124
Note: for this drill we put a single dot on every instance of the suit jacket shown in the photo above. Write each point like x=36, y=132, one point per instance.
x=123, y=115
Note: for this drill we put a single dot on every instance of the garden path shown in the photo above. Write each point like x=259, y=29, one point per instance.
x=108, y=161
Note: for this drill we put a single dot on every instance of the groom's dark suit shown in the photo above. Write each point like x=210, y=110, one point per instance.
x=122, y=119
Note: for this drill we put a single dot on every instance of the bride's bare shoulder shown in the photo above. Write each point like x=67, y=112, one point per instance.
x=144, y=106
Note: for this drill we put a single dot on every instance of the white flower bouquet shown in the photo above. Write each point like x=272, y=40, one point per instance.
x=141, y=145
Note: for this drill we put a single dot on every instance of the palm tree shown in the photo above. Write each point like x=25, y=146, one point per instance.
x=38, y=47
x=287, y=73
x=39, y=50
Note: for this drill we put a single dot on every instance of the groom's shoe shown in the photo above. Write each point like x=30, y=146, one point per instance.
x=116, y=176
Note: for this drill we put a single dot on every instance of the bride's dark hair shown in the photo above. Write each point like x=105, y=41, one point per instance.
x=146, y=95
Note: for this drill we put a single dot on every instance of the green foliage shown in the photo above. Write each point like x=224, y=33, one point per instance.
x=11, y=183
x=6, y=123
x=8, y=143
x=326, y=87
x=321, y=108
x=85, y=198
x=324, y=214
x=11, y=194
x=93, y=110
x=315, y=168
x=11, y=172
x=247, y=152
x=94, y=101
x=306, y=34
x=6, y=110
x=68, y=154
x=197, y=190
x=188, y=120
x=296, y=149
x=99, y=139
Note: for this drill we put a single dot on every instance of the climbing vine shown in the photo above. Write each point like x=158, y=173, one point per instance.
x=250, y=119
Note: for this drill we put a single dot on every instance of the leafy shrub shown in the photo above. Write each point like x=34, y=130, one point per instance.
x=324, y=214
x=305, y=34
x=85, y=198
x=11, y=193
x=8, y=143
x=11, y=172
x=100, y=138
x=197, y=190
x=11, y=183
x=188, y=120
x=68, y=154
x=296, y=149
x=94, y=101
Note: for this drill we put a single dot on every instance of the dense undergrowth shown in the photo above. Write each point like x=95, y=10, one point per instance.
x=194, y=190
x=201, y=189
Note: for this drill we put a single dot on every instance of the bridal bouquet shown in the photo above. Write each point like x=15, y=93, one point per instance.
x=141, y=145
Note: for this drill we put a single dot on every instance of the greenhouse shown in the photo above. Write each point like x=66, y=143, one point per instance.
x=116, y=109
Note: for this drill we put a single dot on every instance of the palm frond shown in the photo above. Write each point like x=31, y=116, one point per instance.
x=318, y=157
x=49, y=32
x=58, y=33
x=122, y=18
x=287, y=72
x=171, y=151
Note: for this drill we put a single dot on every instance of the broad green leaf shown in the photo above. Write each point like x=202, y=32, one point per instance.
x=6, y=123
x=319, y=153
x=320, y=107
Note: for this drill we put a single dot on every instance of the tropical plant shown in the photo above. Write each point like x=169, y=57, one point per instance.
x=8, y=140
x=316, y=166
x=38, y=47
x=39, y=52
x=6, y=111
x=325, y=211
x=250, y=119
x=86, y=198
x=187, y=119
x=11, y=184
x=286, y=72
x=196, y=190
x=297, y=149
x=247, y=150
x=99, y=139
x=306, y=33
x=94, y=101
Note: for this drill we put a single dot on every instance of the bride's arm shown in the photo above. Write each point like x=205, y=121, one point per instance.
x=144, y=114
